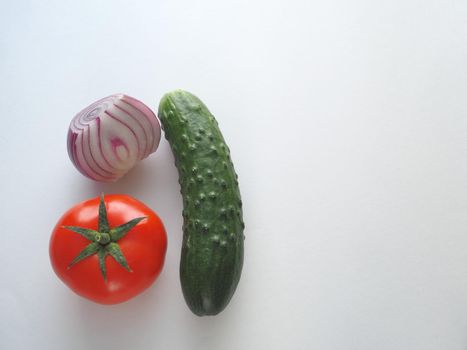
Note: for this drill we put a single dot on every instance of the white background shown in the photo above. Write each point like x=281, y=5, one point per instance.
x=347, y=122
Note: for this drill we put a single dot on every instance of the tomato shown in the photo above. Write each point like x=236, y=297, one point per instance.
x=108, y=250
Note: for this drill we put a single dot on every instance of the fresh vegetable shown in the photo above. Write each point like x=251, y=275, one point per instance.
x=212, y=250
x=107, y=139
x=108, y=250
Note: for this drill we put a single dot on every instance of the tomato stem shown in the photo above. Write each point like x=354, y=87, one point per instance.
x=104, y=240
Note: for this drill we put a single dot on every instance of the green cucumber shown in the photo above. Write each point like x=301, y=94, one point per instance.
x=212, y=250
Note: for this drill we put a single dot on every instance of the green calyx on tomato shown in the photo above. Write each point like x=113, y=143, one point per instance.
x=104, y=240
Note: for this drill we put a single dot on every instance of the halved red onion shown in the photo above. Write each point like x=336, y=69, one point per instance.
x=107, y=139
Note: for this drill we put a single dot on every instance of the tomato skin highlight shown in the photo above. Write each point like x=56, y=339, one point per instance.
x=144, y=248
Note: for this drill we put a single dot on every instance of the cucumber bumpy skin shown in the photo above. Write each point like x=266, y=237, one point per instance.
x=212, y=250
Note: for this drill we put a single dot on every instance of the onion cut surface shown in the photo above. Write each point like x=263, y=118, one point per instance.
x=108, y=138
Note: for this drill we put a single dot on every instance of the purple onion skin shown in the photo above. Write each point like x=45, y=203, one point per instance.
x=109, y=137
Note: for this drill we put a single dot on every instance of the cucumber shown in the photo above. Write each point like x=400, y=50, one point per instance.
x=212, y=249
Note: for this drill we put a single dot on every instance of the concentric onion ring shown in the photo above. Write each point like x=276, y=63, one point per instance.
x=107, y=139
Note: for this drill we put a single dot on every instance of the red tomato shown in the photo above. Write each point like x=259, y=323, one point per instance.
x=105, y=276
